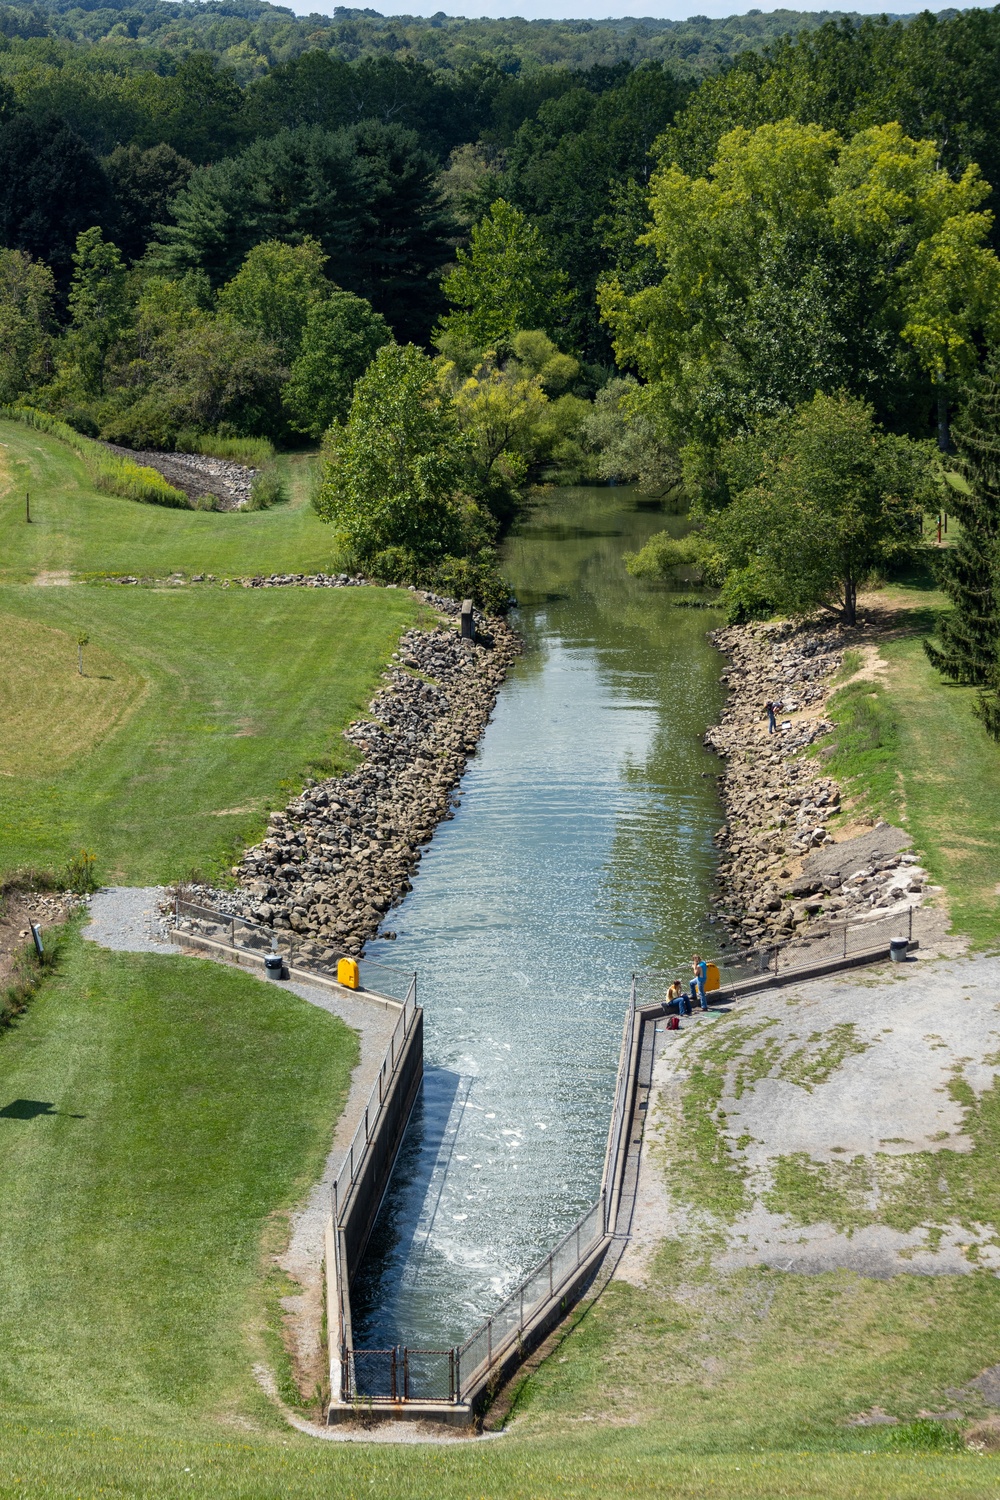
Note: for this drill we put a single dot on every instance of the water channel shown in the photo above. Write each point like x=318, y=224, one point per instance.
x=581, y=851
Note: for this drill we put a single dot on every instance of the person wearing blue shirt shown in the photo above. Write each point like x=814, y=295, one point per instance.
x=700, y=968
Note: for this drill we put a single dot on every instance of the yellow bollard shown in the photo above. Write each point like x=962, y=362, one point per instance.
x=712, y=980
x=347, y=973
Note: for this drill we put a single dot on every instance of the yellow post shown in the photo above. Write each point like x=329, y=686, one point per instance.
x=712, y=980
x=347, y=973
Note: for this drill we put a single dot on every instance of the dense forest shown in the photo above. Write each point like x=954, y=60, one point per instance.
x=471, y=255
x=250, y=36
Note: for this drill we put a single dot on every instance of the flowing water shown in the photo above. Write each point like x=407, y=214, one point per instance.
x=581, y=851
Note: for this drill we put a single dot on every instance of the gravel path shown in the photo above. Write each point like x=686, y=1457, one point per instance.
x=127, y=919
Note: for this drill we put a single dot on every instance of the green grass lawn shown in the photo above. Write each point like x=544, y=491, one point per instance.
x=207, y=704
x=911, y=750
x=158, y=1117
x=76, y=529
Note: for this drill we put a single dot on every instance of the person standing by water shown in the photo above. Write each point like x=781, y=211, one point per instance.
x=700, y=969
x=771, y=709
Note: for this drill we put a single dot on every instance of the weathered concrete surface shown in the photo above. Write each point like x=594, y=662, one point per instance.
x=916, y=1029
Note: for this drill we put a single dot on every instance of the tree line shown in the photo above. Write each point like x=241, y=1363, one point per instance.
x=773, y=292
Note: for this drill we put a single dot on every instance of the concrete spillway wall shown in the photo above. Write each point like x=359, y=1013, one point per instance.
x=360, y=1187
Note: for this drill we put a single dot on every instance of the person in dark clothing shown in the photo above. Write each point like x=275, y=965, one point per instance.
x=771, y=710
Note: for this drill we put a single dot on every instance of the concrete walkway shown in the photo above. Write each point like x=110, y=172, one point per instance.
x=127, y=919
x=849, y=1077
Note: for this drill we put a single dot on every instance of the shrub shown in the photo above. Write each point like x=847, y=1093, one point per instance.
x=253, y=453
x=267, y=489
x=80, y=873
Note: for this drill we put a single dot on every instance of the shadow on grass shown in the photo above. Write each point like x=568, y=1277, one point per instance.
x=30, y=1109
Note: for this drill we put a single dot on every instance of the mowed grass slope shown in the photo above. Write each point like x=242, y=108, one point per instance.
x=910, y=748
x=201, y=707
x=158, y=1115
x=76, y=529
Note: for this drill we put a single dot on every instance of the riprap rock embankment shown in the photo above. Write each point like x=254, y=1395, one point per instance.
x=775, y=885
x=342, y=854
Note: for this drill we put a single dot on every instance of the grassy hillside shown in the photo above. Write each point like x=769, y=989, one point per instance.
x=159, y=1116
x=910, y=748
x=76, y=529
x=199, y=706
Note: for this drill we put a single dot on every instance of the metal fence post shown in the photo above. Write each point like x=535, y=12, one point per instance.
x=578, y=1244
x=910, y=934
x=489, y=1341
x=550, y=1275
x=520, y=1321
x=406, y=1374
x=451, y=1373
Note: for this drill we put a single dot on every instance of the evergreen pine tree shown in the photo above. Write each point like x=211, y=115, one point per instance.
x=969, y=650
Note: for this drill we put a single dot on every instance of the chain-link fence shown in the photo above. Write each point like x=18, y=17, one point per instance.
x=312, y=955
x=456, y=1374
x=353, y=1161
x=402, y=1374
x=493, y=1338
x=826, y=942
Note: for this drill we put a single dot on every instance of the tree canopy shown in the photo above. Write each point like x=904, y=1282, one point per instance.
x=506, y=281
x=804, y=262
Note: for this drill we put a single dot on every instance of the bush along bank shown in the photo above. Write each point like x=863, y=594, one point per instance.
x=341, y=855
x=773, y=887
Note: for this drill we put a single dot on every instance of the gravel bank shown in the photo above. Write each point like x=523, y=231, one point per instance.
x=197, y=474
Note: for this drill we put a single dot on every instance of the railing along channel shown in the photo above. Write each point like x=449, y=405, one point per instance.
x=305, y=953
x=403, y=1374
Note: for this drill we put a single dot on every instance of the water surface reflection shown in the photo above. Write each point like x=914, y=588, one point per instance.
x=582, y=849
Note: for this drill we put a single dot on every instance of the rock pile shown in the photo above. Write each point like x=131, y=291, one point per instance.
x=198, y=475
x=778, y=802
x=341, y=855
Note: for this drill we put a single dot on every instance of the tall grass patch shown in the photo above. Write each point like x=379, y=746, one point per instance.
x=109, y=472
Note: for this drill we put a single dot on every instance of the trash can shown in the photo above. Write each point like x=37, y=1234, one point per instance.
x=898, y=950
x=274, y=966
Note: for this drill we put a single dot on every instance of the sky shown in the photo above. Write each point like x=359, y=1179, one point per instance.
x=593, y=10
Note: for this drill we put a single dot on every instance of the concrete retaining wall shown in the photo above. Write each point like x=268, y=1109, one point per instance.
x=357, y=1217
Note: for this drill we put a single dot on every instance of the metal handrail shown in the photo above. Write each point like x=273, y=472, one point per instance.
x=273, y=938
x=343, y=1183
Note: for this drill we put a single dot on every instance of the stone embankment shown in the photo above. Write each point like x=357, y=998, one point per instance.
x=200, y=476
x=284, y=580
x=775, y=885
x=342, y=854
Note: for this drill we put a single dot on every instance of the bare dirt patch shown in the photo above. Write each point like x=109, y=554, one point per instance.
x=18, y=909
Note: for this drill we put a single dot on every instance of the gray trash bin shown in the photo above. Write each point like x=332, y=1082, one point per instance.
x=274, y=966
x=898, y=950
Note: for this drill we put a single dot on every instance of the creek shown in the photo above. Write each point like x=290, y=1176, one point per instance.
x=581, y=851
